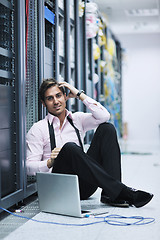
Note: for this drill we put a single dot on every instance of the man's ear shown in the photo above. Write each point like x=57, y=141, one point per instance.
x=43, y=103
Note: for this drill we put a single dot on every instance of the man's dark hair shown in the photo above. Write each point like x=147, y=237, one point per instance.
x=47, y=83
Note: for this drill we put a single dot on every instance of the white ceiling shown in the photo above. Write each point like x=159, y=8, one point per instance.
x=121, y=19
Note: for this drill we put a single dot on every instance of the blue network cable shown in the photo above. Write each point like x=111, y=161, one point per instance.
x=113, y=219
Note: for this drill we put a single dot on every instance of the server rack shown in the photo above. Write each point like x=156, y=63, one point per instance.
x=90, y=84
x=101, y=88
x=113, y=82
x=83, y=58
x=11, y=102
x=49, y=38
x=95, y=67
x=57, y=39
x=97, y=71
x=119, y=86
x=33, y=57
x=102, y=71
x=24, y=45
x=66, y=43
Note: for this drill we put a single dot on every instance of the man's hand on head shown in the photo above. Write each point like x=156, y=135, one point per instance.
x=72, y=91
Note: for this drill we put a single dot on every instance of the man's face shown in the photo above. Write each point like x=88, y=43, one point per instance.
x=55, y=101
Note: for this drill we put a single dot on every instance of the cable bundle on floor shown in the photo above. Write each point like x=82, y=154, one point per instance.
x=113, y=219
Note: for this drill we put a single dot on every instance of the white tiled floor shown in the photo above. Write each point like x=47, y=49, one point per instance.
x=139, y=171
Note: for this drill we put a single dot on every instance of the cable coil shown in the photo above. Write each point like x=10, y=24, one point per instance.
x=113, y=219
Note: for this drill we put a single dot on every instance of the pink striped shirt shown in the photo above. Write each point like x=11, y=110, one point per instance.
x=38, y=139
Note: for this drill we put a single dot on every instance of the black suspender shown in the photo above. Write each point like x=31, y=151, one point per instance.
x=77, y=132
x=52, y=135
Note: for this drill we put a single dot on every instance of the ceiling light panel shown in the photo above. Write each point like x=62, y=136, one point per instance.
x=142, y=12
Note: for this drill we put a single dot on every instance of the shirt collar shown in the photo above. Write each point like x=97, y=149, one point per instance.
x=51, y=118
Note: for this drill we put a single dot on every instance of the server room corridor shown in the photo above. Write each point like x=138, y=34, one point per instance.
x=108, y=53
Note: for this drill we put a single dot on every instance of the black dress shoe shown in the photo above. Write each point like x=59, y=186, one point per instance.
x=116, y=203
x=138, y=198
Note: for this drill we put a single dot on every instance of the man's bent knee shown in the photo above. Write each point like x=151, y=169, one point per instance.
x=70, y=146
x=106, y=127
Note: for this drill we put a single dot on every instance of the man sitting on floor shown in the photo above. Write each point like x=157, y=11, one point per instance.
x=55, y=144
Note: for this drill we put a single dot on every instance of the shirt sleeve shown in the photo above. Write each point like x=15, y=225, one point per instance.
x=34, y=151
x=98, y=114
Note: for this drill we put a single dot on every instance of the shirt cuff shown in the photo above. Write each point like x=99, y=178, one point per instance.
x=43, y=166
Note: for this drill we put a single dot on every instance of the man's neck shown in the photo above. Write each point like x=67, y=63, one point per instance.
x=61, y=118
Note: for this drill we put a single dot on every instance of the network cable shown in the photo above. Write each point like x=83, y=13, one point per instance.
x=113, y=219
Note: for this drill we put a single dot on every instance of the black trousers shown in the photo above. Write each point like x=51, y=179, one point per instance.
x=99, y=167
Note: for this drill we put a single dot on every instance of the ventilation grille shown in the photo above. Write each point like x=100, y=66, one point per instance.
x=31, y=64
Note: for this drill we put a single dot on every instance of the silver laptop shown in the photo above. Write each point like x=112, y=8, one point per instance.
x=59, y=194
